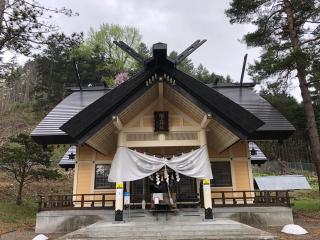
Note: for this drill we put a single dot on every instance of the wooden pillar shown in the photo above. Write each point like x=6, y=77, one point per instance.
x=119, y=188
x=206, y=183
x=119, y=202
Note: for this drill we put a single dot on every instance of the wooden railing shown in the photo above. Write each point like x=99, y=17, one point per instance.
x=219, y=199
x=250, y=198
x=81, y=201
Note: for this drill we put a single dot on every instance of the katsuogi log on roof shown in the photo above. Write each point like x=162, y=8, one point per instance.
x=80, y=115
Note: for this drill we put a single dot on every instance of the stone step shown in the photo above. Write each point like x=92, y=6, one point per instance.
x=172, y=235
x=219, y=229
x=208, y=237
x=180, y=236
x=164, y=228
x=164, y=232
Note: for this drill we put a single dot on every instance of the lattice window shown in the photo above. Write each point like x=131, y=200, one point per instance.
x=221, y=172
x=101, y=177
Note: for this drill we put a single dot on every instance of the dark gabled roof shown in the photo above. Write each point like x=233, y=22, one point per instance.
x=275, y=124
x=101, y=111
x=82, y=114
x=49, y=129
x=65, y=161
x=258, y=157
x=88, y=121
x=224, y=109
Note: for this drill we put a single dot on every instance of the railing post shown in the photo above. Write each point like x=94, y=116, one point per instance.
x=39, y=203
x=82, y=200
x=103, y=200
x=244, y=198
x=288, y=199
x=59, y=201
x=50, y=202
x=223, y=199
x=277, y=198
x=268, y=197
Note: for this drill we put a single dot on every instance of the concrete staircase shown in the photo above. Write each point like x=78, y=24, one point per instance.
x=184, y=225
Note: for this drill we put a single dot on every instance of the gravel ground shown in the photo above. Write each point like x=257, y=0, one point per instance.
x=25, y=234
x=310, y=222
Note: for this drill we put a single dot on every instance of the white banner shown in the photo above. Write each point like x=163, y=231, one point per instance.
x=129, y=165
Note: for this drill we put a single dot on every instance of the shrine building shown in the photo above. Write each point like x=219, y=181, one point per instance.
x=162, y=141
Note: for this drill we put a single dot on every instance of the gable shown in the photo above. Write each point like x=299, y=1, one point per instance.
x=91, y=119
x=177, y=118
x=136, y=123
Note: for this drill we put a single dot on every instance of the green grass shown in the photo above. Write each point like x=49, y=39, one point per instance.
x=307, y=205
x=13, y=216
x=307, y=200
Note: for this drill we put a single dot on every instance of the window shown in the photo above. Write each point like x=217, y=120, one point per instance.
x=101, y=177
x=221, y=172
x=161, y=122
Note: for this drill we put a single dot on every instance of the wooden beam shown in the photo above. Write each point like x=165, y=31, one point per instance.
x=205, y=121
x=189, y=50
x=117, y=122
x=160, y=89
x=130, y=51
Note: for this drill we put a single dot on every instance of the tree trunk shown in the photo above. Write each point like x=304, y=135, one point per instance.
x=19, y=194
x=2, y=8
x=307, y=104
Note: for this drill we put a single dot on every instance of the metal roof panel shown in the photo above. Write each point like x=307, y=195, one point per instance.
x=64, y=111
x=284, y=182
x=258, y=106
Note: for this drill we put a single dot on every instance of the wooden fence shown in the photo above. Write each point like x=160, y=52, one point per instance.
x=250, y=198
x=293, y=152
x=82, y=201
x=219, y=199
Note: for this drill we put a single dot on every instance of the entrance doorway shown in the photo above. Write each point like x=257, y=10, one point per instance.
x=187, y=195
x=184, y=193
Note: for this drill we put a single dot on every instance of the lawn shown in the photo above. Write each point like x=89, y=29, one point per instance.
x=307, y=205
x=307, y=201
x=13, y=217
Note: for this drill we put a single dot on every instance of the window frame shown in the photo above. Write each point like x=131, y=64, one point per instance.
x=109, y=186
x=230, y=180
x=157, y=121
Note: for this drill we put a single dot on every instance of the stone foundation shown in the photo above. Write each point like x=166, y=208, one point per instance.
x=64, y=221
x=257, y=216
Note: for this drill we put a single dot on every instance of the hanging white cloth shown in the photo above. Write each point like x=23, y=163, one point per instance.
x=129, y=165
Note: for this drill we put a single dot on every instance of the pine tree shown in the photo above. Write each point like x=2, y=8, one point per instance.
x=24, y=24
x=26, y=161
x=288, y=31
x=55, y=70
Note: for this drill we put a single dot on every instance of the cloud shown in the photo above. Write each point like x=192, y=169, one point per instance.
x=177, y=23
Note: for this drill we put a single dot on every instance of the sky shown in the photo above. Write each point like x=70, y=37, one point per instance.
x=177, y=23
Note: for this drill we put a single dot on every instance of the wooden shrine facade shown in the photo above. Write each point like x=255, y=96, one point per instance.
x=163, y=111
